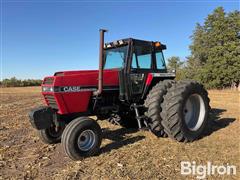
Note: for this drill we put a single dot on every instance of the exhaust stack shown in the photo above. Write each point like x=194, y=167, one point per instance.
x=100, y=73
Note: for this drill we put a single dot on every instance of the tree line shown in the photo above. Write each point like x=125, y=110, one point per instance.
x=14, y=82
x=215, y=52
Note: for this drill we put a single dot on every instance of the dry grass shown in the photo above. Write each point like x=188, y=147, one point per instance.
x=125, y=153
x=17, y=90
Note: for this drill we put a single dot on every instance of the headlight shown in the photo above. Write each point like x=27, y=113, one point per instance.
x=47, y=89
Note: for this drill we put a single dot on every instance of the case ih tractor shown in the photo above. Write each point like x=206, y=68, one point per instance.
x=132, y=88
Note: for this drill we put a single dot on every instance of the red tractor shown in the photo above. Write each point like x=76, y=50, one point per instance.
x=132, y=88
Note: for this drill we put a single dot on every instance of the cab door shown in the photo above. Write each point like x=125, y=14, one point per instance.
x=141, y=62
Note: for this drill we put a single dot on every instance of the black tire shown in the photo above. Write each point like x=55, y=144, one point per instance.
x=74, y=132
x=185, y=111
x=50, y=135
x=153, y=103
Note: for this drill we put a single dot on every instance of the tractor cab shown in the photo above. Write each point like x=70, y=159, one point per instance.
x=138, y=61
x=135, y=54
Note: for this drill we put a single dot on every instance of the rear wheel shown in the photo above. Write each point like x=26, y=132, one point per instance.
x=153, y=103
x=51, y=135
x=185, y=111
x=81, y=138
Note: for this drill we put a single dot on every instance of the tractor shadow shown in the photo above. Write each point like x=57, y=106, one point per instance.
x=216, y=122
x=119, y=138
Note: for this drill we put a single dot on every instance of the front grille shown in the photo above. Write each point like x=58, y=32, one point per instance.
x=48, y=81
x=51, y=101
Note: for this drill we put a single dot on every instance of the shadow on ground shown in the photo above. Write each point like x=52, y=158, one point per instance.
x=118, y=138
x=216, y=122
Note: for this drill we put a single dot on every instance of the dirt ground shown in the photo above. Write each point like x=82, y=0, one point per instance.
x=125, y=153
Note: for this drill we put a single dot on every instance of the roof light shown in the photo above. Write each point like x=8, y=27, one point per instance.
x=115, y=43
x=157, y=44
x=109, y=45
x=120, y=42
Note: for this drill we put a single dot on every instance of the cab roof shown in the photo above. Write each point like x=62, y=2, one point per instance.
x=139, y=42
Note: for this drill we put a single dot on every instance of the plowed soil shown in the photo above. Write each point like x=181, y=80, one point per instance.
x=124, y=154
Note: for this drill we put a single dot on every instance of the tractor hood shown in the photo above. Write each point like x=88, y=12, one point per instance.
x=70, y=91
x=66, y=73
x=82, y=78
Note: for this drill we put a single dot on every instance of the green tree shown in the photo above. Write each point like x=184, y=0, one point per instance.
x=175, y=62
x=215, y=50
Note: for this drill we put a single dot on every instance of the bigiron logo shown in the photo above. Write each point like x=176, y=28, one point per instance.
x=202, y=171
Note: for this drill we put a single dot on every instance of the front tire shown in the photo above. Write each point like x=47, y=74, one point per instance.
x=81, y=138
x=185, y=111
x=51, y=135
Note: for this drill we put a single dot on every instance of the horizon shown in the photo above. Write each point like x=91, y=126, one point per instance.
x=40, y=38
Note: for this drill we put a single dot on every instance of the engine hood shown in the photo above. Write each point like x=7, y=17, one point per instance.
x=82, y=78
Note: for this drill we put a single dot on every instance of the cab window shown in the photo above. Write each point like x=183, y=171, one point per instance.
x=160, y=61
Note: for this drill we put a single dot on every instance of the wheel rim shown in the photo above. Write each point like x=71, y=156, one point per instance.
x=86, y=140
x=194, y=112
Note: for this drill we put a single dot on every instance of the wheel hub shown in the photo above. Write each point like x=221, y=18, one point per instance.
x=86, y=140
x=194, y=112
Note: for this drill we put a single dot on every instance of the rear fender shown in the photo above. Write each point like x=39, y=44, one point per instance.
x=153, y=78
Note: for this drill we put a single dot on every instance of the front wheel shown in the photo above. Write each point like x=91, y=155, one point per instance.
x=51, y=135
x=82, y=138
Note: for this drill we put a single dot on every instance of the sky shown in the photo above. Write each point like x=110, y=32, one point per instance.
x=40, y=37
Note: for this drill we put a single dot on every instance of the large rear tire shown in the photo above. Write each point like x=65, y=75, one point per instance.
x=82, y=138
x=185, y=111
x=153, y=103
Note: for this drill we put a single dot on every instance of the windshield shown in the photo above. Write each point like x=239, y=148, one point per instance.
x=115, y=58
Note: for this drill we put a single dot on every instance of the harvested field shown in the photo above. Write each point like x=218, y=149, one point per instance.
x=125, y=153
